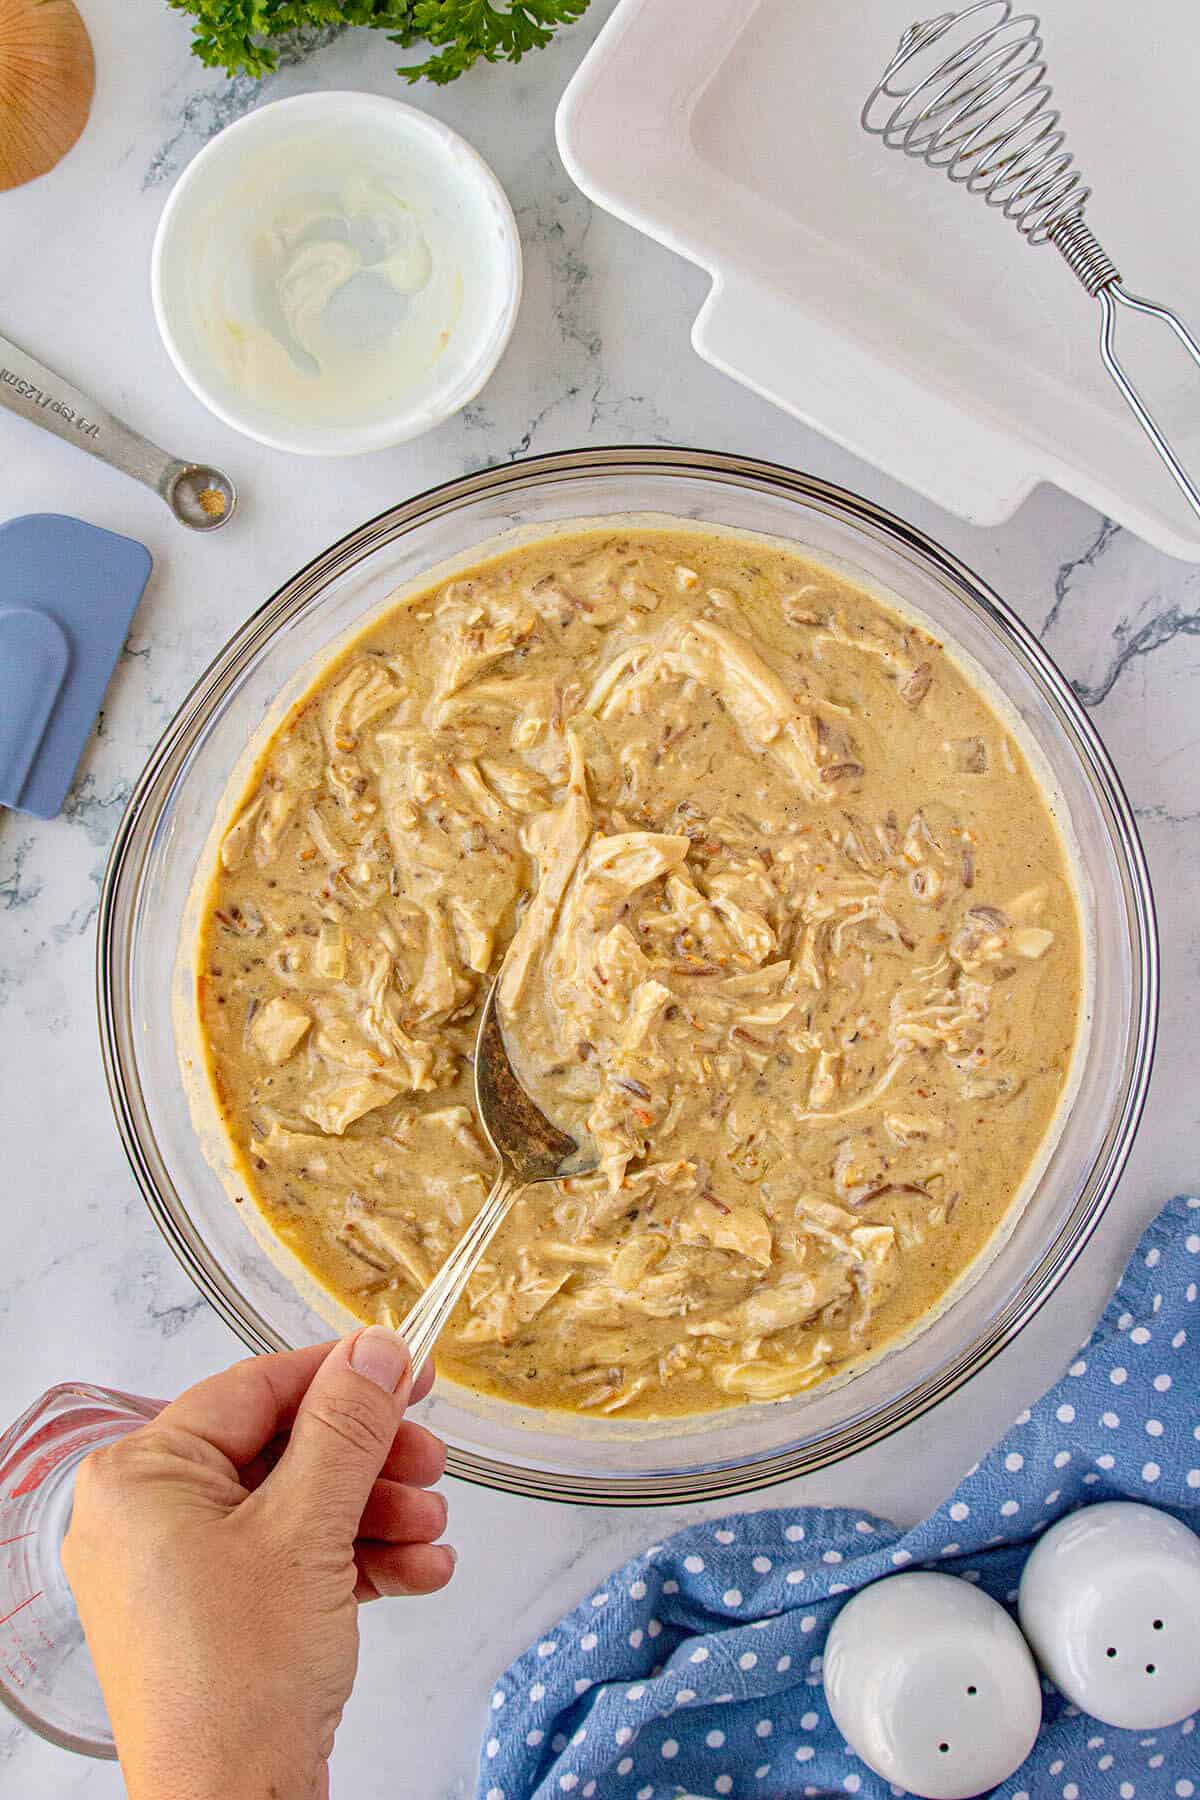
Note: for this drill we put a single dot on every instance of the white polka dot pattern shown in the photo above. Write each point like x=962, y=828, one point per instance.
x=704, y=1656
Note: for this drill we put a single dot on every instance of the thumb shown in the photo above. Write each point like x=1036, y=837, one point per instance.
x=344, y=1429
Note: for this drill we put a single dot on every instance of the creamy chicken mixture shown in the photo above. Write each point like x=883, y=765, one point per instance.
x=791, y=935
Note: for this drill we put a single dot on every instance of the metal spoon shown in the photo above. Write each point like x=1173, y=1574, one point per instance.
x=530, y=1149
x=200, y=497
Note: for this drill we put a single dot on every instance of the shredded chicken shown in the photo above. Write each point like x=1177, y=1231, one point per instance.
x=787, y=933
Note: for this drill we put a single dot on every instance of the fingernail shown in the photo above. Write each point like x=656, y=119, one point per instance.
x=381, y=1356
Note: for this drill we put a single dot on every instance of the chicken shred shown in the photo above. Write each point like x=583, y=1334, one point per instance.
x=788, y=933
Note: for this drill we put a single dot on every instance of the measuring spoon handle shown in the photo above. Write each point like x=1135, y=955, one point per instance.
x=34, y=392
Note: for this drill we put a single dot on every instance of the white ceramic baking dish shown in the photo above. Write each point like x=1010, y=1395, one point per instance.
x=869, y=297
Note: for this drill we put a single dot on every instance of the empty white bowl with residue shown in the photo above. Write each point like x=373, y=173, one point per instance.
x=336, y=273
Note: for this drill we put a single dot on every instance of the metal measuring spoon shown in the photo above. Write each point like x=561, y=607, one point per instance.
x=200, y=497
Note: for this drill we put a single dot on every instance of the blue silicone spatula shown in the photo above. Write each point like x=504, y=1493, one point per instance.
x=68, y=592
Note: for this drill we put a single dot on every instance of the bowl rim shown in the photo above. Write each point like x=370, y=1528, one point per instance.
x=121, y=885
x=445, y=145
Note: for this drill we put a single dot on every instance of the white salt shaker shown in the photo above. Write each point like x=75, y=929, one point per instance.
x=932, y=1685
x=1110, y=1602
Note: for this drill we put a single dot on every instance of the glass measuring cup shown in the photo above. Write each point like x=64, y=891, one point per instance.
x=46, y=1674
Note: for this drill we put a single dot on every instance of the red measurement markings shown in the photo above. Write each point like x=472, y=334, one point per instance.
x=19, y=1539
x=54, y=1441
x=21, y=1608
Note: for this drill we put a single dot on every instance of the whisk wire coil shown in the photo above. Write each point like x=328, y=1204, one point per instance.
x=983, y=115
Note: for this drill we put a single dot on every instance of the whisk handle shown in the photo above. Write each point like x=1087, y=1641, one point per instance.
x=983, y=114
x=1099, y=274
x=1110, y=297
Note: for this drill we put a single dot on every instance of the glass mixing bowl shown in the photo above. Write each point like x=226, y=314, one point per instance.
x=147, y=920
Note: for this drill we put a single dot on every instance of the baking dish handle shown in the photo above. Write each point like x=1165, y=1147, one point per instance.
x=749, y=332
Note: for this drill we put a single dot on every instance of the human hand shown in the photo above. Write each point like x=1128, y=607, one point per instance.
x=218, y=1555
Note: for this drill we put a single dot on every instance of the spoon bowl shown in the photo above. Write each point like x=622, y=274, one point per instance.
x=518, y=1131
x=201, y=497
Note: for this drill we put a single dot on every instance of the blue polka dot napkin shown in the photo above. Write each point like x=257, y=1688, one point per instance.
x=696, y=1669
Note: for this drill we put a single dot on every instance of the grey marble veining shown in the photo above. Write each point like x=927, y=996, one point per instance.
x=206, y=112
x=600, y=354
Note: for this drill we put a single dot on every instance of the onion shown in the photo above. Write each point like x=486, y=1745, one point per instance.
x=47, y=77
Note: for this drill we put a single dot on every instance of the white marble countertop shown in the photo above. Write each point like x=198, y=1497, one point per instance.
x=601, y=354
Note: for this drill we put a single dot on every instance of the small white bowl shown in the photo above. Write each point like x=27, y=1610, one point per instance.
x=203, y=272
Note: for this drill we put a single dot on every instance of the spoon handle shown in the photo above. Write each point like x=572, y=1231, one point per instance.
x=424, y=1324
x=34, y=392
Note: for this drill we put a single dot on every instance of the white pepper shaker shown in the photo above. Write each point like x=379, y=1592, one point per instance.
x=932, y=1685
x=1110, y=1602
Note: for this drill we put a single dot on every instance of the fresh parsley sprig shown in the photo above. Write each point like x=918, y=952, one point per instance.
x=244, y=37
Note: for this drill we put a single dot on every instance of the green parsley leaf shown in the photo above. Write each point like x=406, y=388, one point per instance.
x=248, y=37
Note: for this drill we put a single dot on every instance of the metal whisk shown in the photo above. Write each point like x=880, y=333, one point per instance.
x=983, y=114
